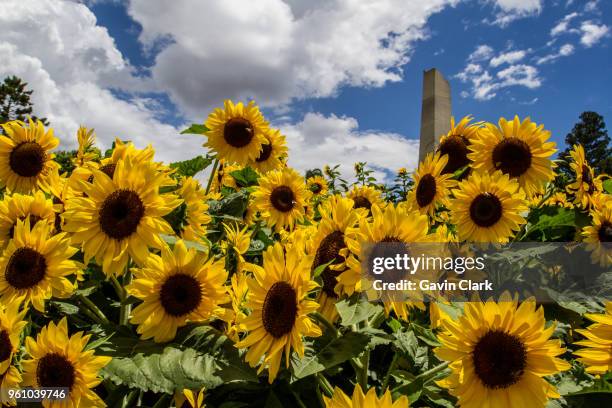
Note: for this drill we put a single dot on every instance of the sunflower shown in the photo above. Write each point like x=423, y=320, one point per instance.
x=120, y=217
x=518, y=149
x=328, y=245
x=237, y=291
x=35, y=265
x=498, y=354
x=558, y=199
x=597, y=352
x=431, y=186
x=237, y=240
x=455, y=144
x=195, y=209
x=11, y=325
x=279, y=304
x=487, y=207
x=598, y=236
x=86, y=138
x=9, y=380
x=365, y=197
x=358, y=400
x=273, y=152
x=16, y=207
x=224, y=177
x=58, y=360
x=393, y=224
x=237, y=132
x=178, y=287
x=281, y=198
x=586, y=187
x=25, y=162
x=317, y=185
x=190, y=399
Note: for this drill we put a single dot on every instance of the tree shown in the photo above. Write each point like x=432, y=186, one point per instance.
x=15, y=103
x=591, y=133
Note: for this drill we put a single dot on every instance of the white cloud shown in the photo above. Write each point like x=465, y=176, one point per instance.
x=564, y=51
x=523, y=75
x=591, y=6
x=70, y=62
x=511, y=10
x=481, y=53
x=592, y=33
x=562, y=26
x=277, y=51
x=509, y=57
x=318, y=140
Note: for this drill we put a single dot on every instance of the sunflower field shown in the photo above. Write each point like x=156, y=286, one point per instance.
x=136, y=283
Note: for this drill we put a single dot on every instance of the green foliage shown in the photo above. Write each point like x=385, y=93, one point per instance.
x=246, y=177
x=356, y=310
x=15, y=101
x=64, y=158
x=195, y=129
x=591, y=133
x=191, y=167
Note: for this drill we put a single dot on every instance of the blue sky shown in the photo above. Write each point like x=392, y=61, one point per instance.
x=327, y=72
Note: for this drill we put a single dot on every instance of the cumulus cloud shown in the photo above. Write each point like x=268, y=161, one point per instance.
x=592, y=33
x=564, y=51
x=562, y=26
x=511, y=10
x=481, y=53
x=318, y=140
x=277, y=51
x=509, y=57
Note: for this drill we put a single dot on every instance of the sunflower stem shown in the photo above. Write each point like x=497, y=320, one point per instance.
x=433, y=371
x=325, y=385
x=212, y=175
x=91, y=306
x=385, y=383
x=117, y=286
x=126, y=309
x=328, y=325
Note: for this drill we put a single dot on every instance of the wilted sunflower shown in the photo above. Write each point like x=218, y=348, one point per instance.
x=487, y=207
x=195, y=209
x=431, y=187
x=598, y=236
x=328, y=245
x=11, y=325
x=359, y=400
x=317, y=185
x=120, y=217
x=178, y=287
x=518, y=149
x=365, y=197
x=499, y=354
x=58, y=360
x=25, y=162
x=236, y=132
x=34, y=266
x=388, y=226
x=9, y=380
x=16, y=207
x=281, y=198
x=279, y=304
x=455, y=144
x=586, y=187
x=273, y=151
x=597, y=352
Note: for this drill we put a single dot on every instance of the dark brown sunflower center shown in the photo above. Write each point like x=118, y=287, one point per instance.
x=362, y=202
x=279, y=310
x=605, y=232
x=25, y=268
x=121, y=213
x=456, y=147
x=329, y=251
x=316, y=188
x=109, y=169
x=28, y=159
x=485, y=210
x=426, y=190
x=180, y=294
x=264, y=154
x=33, y=220
x=512, y=157
x=587, y=177
x=54, y=370
x=238, y=132
x=499, y=359
x=282, y=198
x=6, y=347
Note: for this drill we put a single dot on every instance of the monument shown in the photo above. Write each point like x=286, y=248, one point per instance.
x=435, y=111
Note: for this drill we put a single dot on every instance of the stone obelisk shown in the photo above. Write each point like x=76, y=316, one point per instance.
x=435, y=111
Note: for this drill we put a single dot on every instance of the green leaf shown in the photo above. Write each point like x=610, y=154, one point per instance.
x=246, y=177
x=195, y=129
x=173, y=370
x=407, y=343
x=233, y=205
x=189, y=168
x=335, y=352
x=355, y=310
x=607, y=185
x=319, y=269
